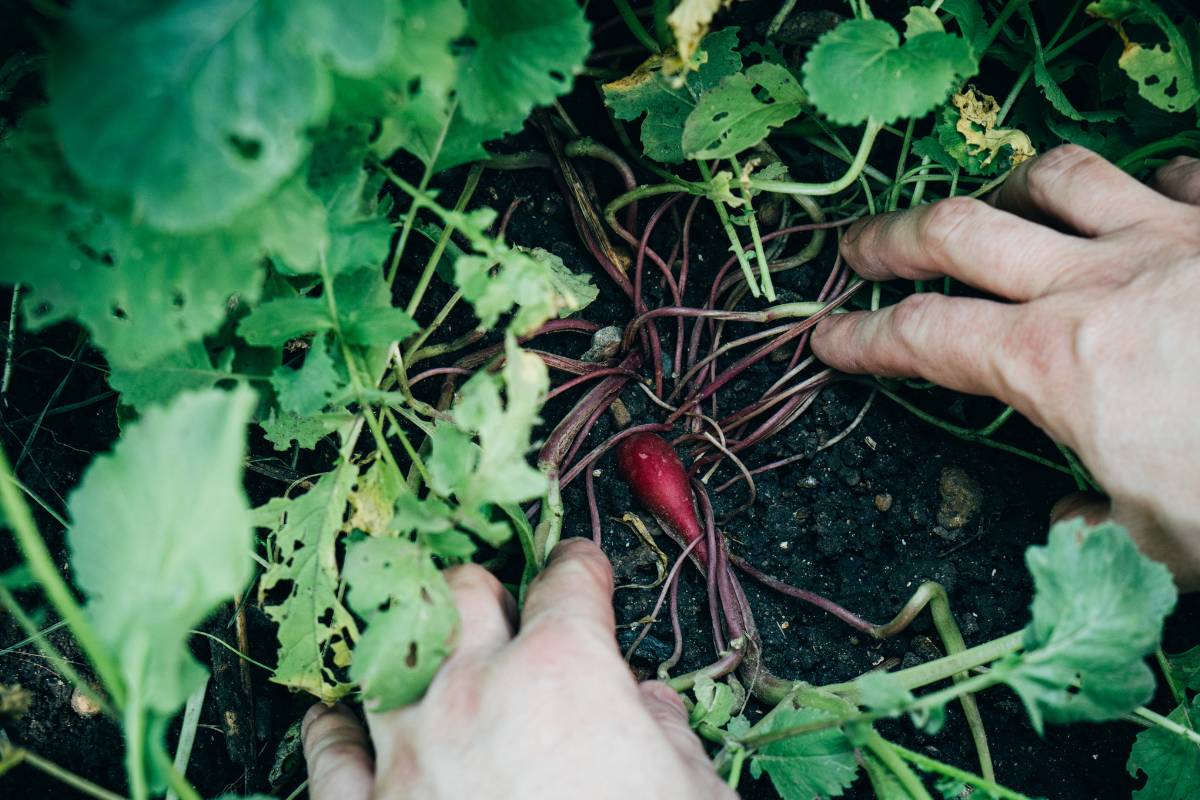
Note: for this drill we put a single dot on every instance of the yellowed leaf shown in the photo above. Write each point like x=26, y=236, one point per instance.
x=977, y=124
x=689, y=22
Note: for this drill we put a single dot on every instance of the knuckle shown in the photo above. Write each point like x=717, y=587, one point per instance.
x=1047, y=173
x=912, y=317
x=942, y=223
x=579, y=560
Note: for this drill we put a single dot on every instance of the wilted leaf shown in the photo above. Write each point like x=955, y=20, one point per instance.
x=689, y=22
x=535, y=281
x=648, y=91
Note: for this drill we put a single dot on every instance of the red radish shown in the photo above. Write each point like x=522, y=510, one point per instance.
x=659, y=482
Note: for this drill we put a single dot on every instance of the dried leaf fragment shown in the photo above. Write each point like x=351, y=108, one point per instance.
x=977, y=124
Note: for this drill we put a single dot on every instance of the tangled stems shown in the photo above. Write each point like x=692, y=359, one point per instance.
x=832, y=187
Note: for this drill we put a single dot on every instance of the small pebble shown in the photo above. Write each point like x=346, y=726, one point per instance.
x=83, y=705
x=883, y=502
x=961, y=498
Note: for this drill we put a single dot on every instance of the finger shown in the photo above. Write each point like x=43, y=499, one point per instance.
x=1076, y=188
x=575, y=590
x=1179, y=180
x=338, y=754
x=668, y=712
x=1091, y=508
x=955, y=342
x=968, y=240
x=487, y=613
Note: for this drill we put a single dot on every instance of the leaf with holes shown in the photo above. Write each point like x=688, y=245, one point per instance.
x=154, y=569
x=860, y=71
x=411, y=620
x=300, y=591
x=197, y=111
x=740, y=112
x=535, y=282
x=666, y=106
x=1165, y=75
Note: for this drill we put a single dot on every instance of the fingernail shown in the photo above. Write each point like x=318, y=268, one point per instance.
x=853, y=232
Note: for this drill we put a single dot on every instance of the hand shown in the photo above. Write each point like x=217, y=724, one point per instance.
x=1099, y=343
x=550, y=712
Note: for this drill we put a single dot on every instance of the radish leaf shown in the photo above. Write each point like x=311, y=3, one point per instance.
x=740, y=112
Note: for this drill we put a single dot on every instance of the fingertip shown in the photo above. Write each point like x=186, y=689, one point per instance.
x=832, y=340
x=585, y=552
x=662, y=701
x=337, y=751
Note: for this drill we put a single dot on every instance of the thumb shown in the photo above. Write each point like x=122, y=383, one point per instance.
x=1092, y=508
x=338, y=754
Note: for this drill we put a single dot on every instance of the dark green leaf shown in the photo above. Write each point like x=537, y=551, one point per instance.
x=814, y=765
x=1170, y=762
x=277, y=322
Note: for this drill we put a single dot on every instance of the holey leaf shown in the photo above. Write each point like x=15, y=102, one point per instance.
x=160, y=535
x=860, y=71
x=666, y=106
x=196, y=110
x=1165, y=76
x=535, y=281
x=142, y=294
x=411, y=620
x=300, y=591
x=1098, y=610
x=740, y=112
x=1171, y=762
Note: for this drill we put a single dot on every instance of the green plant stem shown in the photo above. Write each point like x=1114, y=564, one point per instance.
x=437, y=321
x=735, y=242
x=413, y=455
x=1052, y=52
x=735, y=769
x=233, y=650
x=662, y=10
x=62, y=775
x=906, y=145
x=942, y=668
x=764, y=271
x=41, y=564
x=187, y=732
x=175, y=779
x=1170, y=725
x=298, y=790
x=411, y=217
x=1164, y=665
x=885, y=751
x=39, y=640
x=636, y=27
x=1010, y=8
x=414, y=302
x=133, y=722
x=833, y=187
x=1188, y=140
x=641, y=193
x=928, y=764
x=967, y=433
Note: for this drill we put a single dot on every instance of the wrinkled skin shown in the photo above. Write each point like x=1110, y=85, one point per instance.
x=1093, y=337
x=544, y=709
x=1097, y=344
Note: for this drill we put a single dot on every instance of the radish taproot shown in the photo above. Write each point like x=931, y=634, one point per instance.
x=659, y=482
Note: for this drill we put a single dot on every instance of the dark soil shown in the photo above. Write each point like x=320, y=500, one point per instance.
x=858, y=522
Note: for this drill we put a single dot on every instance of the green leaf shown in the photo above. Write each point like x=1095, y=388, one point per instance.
x=815, y=765
x=155, y=563
x=502, y=475
x=1051, y=89
x=740, y=112
x=295, y=226
x=310, y=389
x=1170, y=762
x=1186, y=667
x=860, y=71
x=526, y=54
x=195, y=111
x=971, y=23
x=920, y=20
x=373, y=500
x=1098, y=610
x=189, y=369
x=300, y=591
x=411, y=620
x=714, y=703
x=281, y=429
x=276, y=322
x=452, y=458
x=141, y=293
x=365, y=313
x=1165, y=76
x=666, y=106
x=534, y=281
x=882, y=692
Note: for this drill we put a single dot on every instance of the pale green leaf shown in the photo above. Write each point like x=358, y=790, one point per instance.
x=1170, y=762
x=373, y=500
x=525, y=53
x=300, y=591
x=535, y=281
x=188, y=369
x=860, y=71
x=1165, y=73
x=295, y=226
x=141, y=293
x=1098, y=611
x=452, y=458
x=815, y=765
x=200, y=108
x=740, y=112
x=154, y=563
x=714, y=703
x=666, y=106
x=920, y=20
x=411, y=620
